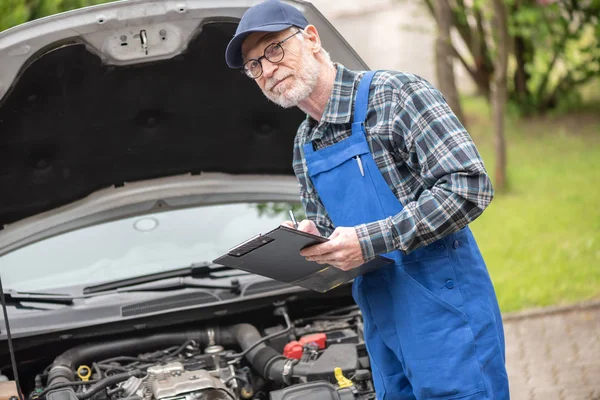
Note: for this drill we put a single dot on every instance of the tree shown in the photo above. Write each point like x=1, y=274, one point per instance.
x=445, y=58
x=557, y=49
x=477, y=62
x=555, y=44
x=499, y=95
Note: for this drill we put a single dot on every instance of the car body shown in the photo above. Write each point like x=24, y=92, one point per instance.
x=131, y=156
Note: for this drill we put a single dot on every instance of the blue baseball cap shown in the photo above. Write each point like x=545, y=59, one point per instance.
x=269, y=16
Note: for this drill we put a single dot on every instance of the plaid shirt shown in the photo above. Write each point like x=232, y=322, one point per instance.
x=424, y=153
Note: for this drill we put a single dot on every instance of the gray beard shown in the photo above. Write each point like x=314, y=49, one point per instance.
x=305, y=82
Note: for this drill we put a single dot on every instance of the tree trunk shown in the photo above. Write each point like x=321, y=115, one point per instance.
x=480, y=70
x=521, y=75
x=483, y=79
x=444, y=57
x=500, y=92
x=522, y=50
x=481, y=56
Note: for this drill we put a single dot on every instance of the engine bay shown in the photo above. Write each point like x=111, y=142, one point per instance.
x=318, y=357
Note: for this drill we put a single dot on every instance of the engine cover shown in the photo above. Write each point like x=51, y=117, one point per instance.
x=172, y=381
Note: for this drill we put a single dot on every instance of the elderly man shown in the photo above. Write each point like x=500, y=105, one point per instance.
x=385, y=167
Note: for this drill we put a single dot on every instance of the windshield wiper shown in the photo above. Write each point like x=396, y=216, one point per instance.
x=196, y=271
x=178, y=283
x=13, y=297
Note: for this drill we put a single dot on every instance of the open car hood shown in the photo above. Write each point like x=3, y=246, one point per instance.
x=120, y=108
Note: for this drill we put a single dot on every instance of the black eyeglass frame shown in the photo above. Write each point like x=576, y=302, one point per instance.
x=274, y=44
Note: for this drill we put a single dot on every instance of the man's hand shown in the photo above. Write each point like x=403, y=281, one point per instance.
x=341, y=251
x=306, y=225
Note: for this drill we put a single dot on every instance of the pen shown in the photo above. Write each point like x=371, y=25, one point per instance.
x=360, y=166
x=293, y=219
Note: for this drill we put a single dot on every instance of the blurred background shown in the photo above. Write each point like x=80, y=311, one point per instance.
x=541, y=142
x=524, y=78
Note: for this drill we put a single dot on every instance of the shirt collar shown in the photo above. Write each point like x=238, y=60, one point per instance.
x=338, y=109
x=339, y=106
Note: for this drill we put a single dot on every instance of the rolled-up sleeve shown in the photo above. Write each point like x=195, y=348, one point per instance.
x=438, y=148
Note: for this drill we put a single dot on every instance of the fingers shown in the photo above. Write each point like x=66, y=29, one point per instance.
x=340, y=262
x=335, y=234
x=327, y=257
x=335, y=257
x=305, y=225
x=308, y=226
x=332, y=261
x=342, y=251
x=319, y=249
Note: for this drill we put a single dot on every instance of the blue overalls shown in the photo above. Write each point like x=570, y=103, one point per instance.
x=432, y=325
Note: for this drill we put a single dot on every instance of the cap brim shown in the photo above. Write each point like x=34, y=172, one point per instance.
x=233, y=53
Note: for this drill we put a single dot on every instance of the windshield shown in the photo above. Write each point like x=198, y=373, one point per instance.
x=137, y=246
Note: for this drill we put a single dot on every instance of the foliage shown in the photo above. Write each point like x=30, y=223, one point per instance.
x=15, y=12
x=561, y=51
x=555, y=48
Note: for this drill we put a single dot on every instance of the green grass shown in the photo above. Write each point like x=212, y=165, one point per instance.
x=541, y=239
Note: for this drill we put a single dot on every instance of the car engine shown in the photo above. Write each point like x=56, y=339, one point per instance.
x=321, y=358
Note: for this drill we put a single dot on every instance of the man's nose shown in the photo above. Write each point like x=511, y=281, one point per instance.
x=268, y=68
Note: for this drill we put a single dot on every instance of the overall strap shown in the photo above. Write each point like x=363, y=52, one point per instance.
x=360, y=113
x=362, y=97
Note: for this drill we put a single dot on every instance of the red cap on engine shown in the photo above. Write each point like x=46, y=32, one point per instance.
x=294, y=349
x=319, y=338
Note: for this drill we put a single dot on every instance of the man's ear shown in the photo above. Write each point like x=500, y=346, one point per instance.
x=313, y=36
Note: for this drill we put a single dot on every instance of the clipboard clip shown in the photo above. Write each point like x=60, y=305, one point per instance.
x=250, y=245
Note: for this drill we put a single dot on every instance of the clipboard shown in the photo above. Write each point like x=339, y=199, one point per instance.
x=276, y=255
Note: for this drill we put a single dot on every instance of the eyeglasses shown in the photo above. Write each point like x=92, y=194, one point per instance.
x=273, y=53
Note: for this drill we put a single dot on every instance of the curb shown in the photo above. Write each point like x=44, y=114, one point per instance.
x=542, y=312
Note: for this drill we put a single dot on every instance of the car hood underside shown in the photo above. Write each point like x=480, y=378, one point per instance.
x=73, y=125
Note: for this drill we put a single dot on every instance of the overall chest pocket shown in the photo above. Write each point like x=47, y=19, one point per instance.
x=342, y=176
x=334, y=156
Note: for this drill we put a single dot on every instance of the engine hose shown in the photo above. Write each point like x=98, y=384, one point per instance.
x=76, y=355
x=269, y=363
x=264, y=359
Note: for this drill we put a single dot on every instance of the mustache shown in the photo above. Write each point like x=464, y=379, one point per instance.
x=276, y=79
